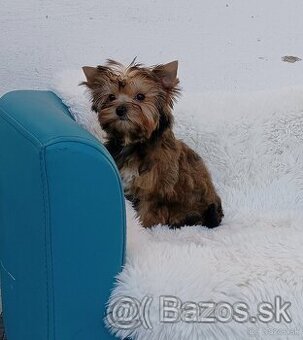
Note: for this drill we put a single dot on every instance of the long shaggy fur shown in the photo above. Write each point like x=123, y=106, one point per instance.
x=256, y=154
x=167, y=182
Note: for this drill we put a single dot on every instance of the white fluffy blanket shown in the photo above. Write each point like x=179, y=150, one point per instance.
x=253, y=145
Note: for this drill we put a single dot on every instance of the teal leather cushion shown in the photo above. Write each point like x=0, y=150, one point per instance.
x=62, y=221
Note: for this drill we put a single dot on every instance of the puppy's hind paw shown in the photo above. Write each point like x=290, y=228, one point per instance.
x=213, y=215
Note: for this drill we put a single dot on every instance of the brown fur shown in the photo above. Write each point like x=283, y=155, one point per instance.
x=167, y=182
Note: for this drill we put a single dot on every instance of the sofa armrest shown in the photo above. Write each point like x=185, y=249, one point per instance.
x=62, y=222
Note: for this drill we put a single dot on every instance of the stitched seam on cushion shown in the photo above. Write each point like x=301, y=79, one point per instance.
x=84, y=141
x=110, y=162
x=36, y=142
x=32, y=137
x=46, y=228
x=19, y=128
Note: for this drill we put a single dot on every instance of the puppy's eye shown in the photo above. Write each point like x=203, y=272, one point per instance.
x=111, y=97
x=140, y=97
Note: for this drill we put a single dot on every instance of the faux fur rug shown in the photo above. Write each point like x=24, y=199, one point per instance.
x=253, y=145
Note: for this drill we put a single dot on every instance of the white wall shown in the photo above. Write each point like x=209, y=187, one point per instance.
x=231, y=44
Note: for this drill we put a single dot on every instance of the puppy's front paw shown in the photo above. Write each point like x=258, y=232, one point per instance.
x=213, y=215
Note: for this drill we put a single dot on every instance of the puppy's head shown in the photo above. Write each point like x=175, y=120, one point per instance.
x=133, y=102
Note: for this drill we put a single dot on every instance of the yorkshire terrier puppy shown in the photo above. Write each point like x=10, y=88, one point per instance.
x=167, y=182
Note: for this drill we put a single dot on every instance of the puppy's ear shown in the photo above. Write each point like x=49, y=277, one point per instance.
x=167, y=74
x=90, y=73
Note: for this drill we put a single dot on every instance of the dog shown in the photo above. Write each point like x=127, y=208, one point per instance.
x=167, y=182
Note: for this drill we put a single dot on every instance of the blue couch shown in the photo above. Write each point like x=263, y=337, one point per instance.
x=62, y=222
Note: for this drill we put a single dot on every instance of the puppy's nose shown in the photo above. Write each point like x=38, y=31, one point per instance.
x=121, y=110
